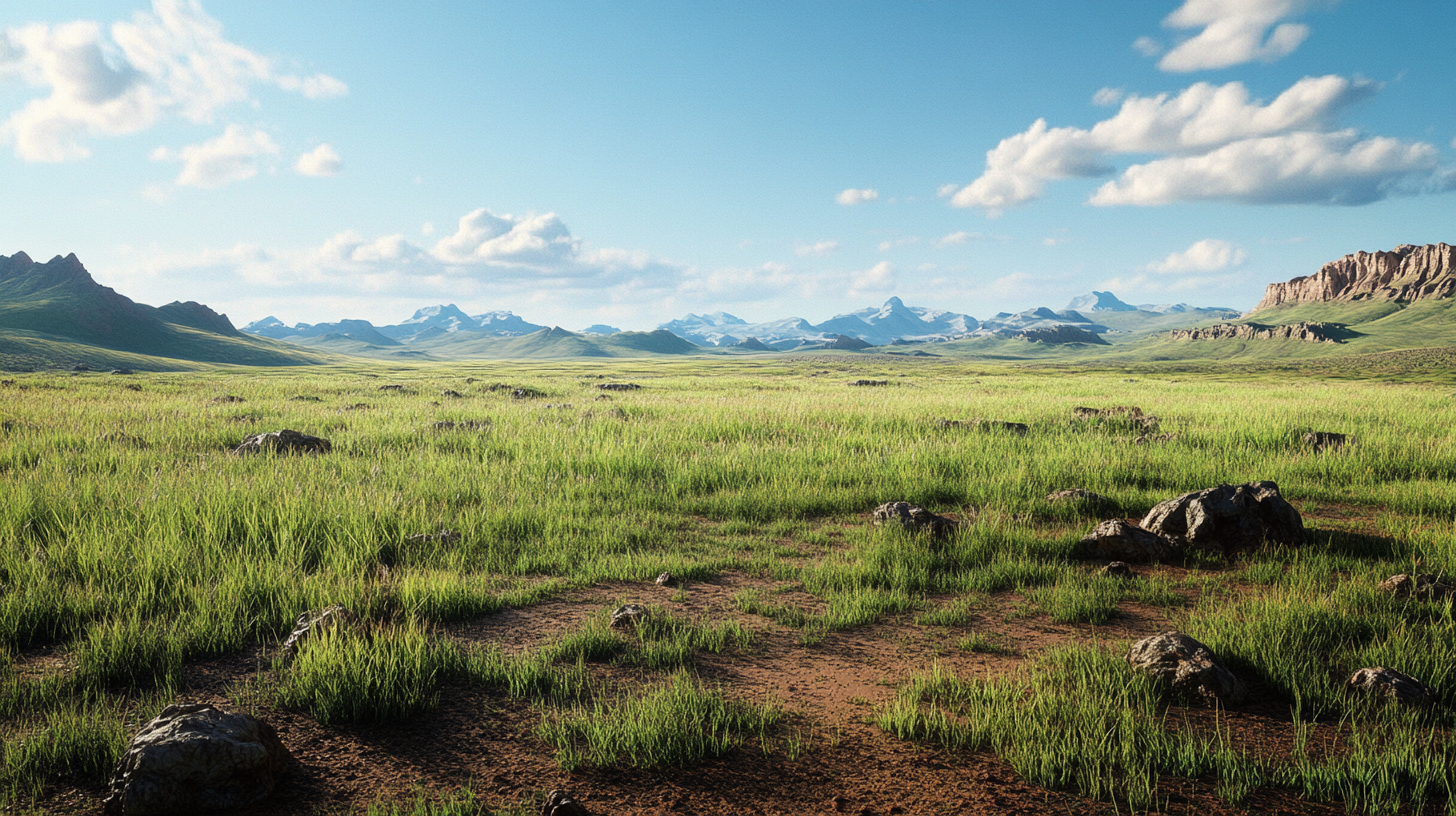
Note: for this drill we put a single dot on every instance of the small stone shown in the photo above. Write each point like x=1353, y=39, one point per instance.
x=451, y=394
x=1187, y=667
x=283, y=442
x=628, y=616
x=867, y=383
x=1116, y=569
x=914, y=518
x=462, y=425
x=1016, y=428
x=197, y=759
x=526, y=393
x=311, y=623
x=1326, y=440
x=1390, y=684
x=227, y=399
x=561, y=803
x=618, y=386
x=1120, y=540
x=664, y=579
x=305, y=398
x=391, y=387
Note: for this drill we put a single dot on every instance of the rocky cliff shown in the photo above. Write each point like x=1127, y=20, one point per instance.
x=1406, y=273
x=1308, y=332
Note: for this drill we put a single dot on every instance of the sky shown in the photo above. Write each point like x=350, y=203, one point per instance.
x=627, y=163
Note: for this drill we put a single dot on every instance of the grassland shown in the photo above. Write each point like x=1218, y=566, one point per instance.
x=141, y=563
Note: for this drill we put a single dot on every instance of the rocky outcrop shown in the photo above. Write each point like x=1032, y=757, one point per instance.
x=1228, y=518
x=197, y=759
x=1307, y=332
x=283, y=442
x=913, y=518
x=1406, y=273
x=1187, y=667
x=1061, y=336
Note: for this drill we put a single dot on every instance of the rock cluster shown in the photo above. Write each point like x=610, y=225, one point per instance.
x=913, y=518
x=1228, y=518
x=197, y=759
x=1307, y=332
x=283, y=442
x=1186, y=667
x=1407, y=273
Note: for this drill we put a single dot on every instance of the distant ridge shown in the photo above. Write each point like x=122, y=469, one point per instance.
x=1407, y=273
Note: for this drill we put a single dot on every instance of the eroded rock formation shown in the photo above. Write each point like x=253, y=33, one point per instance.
x=1308, y=332
x=1406, y=273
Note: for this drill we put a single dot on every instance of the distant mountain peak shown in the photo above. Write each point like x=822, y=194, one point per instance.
x=1099, y=302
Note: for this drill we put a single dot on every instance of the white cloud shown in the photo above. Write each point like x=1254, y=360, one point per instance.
x=1211, y=122
x=321, y=161
x=879, y=278
x=898, y=242
x=946, y=190
x=1297, y=168
x=537, y=241
x=1147, y=46
x=233, y=156
x=817, y=249
x=1207, y=255
x=1053, y=241
x=171, y=61
x=427, y=229
x=1234, y=32
x=852, y=196
x=954, y=238
x=1108, y=96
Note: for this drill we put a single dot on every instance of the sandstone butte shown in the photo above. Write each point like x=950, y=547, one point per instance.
x=1406, y=273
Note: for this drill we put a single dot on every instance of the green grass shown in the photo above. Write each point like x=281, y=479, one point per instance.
x=352, y=676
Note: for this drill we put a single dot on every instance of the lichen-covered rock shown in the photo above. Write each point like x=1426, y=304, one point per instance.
x=197, y=759
x=310, y=624
x=914, y=518
x=1119, y=540
x=1116, y=569
x=1228, y=518
x=1077, y=494
x=561, y=803
x=1390, y=684
x=628, y=616
x=1326, y=440
x=1186, y=667
x=665, y=579
x=1422, y=587
x=283, y=442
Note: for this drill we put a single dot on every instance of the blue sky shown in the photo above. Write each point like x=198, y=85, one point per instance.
x=626, y=163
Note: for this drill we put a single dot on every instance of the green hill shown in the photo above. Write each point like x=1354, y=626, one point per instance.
x=555, y=343
x=55, y=314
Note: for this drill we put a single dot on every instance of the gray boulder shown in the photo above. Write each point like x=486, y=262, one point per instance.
x=629, y=616
x=283, y=442
x=1117, y=569
x=197, y=759
x=1228, y=518
x=665, y=579
x=913, y=518
x=1390, y=684
x=1187, y=668
x=1118, y=540
x=561, y=803
x=1422, y=587
x=310, y=624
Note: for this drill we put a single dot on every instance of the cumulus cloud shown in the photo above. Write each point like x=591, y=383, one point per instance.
x=173, y=61
x=1233, y=32
x=321, y=161
x=536, y=241
x=231, y=157
x=1147, y=46
x=879, y=278
x=1108, y=96
x=852, y=196
x=817, y=249
x=1207, y=255
x=946, y=190
x=1199, y=131
x=885, y=246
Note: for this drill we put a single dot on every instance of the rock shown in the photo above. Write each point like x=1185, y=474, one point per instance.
x=462, y=425
x=227, y=399
x=1116, y=569
x=123, y=371
x=311, y=623
x=1146, y=439
x=1018, y=428
x=664, y=579
x=628, y=616
x=863, y=383
x=1119, y=540
x=1077, y=494
x=1228, y=518
x=7, y=383
x=1061, y=336
x=1423, y=587
x=913, y=518
x=469, y=380
x=283, y=442
x=1390, y=684
x=197, y=759
x=1182, y=664
x=1406, y=273
x=442, y=537
x=618, y=386
x=950, y=423
x=1122, y=415
x=451, y=394
x=391, y=387
x=499, y=387
x=561, y=803
x=304, y=398
x=526, y=393
x=358, y=406
x=1307, y=332
x=1320, y=440
x=132, y=387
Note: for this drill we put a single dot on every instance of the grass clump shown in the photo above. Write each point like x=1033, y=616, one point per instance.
x=82, y=742
x=674, y=724
x=353, y=675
